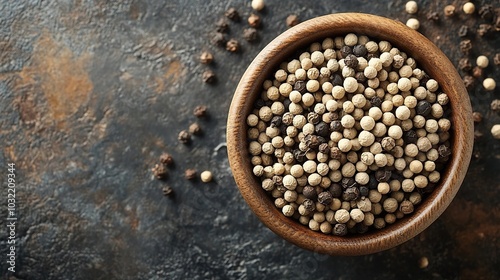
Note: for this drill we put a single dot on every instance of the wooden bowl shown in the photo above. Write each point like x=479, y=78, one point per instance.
x=428, y=57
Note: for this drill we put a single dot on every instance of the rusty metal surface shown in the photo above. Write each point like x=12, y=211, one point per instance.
x=92, y=92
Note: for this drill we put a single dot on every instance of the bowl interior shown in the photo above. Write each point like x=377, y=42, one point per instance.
x=428, y=57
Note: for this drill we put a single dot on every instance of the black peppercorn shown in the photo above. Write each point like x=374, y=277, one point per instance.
x=373, y=183
x=299, y=156
x=486, y=12
x=477, y=72
x=250, y=34
x=309, y=204
x=495, y=105
x=336, y=190
x=325, y=198
x=383, y=175
x=424, y=108
x=345, y=50
x=232, y=14
x=432, y=16
x=324, y=148
x=465, y=46
x=340, y=229
x=322, y=129
x=287, y=118
x=259, y=103
x=350, y=194
x=410, y=137
x=484, y=29
x=313, y=117
x=167, y=191
x=464, y=64
x=221, y=25
x=351, y=61
x=496, y=59
x=195, y=129
x=348, y=182
x=184, y=137
x=361, y=228
x=359, y=50
x=336, y=126
x=254, y=20
x=276, y=121
x=300, y=86
x=200, y=111
x=360, y=77
x=218, y=39
x=444, y=151
x=335, y=153
x=166, y=159
x=160, y=171
x=208, y=77
x=333, y=116
x=310, y=192
x=233, y=45
x=477, y=117
x=363, y=191
x=336, y=80
x=190, y=174
x=376, y=101
x=462, y=32
x=469, y=82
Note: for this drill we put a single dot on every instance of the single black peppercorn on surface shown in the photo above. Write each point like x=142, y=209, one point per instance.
x=350, y=136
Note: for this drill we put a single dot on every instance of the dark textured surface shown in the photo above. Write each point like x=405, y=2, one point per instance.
x=92, y=92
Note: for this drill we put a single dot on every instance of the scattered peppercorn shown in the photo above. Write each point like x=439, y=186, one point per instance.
x=411, y=7
x=486, y=12
x=254, y=20
x=258, y=5
x=190, y=174
x=200, y=111
x=463, y=31
x=413, y=23
x=160, y=171
x=477, y=117
x=184, y=137
x=449, y=10
x=464, y=64
x=218, y=39
x=423, y=262
x=232, y=45
x=489, y=84
x=496, y=59
x=469, y=82
x=167, y=191
x=469, y=8
x=232, y=14
x=208, y=76
x=206, y=57
x=206, y=176
x=221, y=25
x=477, y=72
x=432, y=16
x=465, y=46
x=495, y=131
x=292, y=20
x=484, y=29
x=495, y=105
x=194, y=129
x=166, y=159
x=250, y=34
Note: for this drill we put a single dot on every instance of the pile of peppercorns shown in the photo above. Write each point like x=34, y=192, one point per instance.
x=349, y=136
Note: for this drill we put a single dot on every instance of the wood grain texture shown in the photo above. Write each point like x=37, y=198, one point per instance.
x=429, y=58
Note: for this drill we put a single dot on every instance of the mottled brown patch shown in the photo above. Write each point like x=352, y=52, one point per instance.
x=62, y=77
x=10, y=153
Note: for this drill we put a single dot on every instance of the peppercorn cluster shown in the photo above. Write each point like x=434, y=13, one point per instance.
x=349, y=136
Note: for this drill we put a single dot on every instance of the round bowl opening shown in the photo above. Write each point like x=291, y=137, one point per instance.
x=428, y=57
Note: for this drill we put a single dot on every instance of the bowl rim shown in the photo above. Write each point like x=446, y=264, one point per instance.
x=428, y=57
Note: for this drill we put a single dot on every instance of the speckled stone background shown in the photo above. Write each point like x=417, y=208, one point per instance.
x=92, y=92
